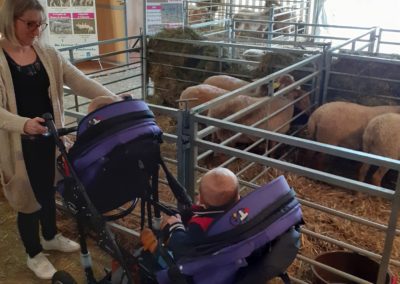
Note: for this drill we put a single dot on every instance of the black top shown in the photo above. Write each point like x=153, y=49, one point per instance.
x=31, y=85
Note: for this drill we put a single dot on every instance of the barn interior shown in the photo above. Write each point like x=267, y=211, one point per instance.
x=329, y=57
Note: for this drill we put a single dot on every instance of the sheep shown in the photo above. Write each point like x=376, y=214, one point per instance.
x=61, y=27
x=202, y=93
x=253, y=54
x=277, y=123
x=281, y=18
x=242, y=101
x=210, y=5
x=225, y=82
x=250, y=29
x=230, y=83
x=85, y=27
x=199, y=94
x=257, y=29
x=82, y=3
x=286, y=80
x=342, y=124
x=381, y=137
x=271, y=3
x=214, y=87
x=60, y=3
x=197, y=14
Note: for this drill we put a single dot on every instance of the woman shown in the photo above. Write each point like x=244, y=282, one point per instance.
x=32, y=76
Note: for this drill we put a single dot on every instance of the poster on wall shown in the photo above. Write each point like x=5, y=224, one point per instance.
x=72, y=22
x=163, y=14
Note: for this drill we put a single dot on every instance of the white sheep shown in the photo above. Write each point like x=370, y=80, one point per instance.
x=197, y=14
x=60, y=27
x=342, y=124
x=211, y=5
x=199, y=94
x=85, y=27
x=381, y=137
x=226, y=82
x=280, y=122
x=82, y=3
x=271, y=3
x=248, y=28
x=242, y=101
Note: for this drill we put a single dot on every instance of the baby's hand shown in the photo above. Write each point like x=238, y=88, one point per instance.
x=169, y=220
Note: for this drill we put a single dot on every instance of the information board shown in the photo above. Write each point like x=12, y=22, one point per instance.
x=163, y=14
x=72, y=22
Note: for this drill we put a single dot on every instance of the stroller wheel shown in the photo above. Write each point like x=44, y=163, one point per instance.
x=62, y=277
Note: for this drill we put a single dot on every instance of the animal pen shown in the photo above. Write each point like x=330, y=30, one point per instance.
x=340, y=212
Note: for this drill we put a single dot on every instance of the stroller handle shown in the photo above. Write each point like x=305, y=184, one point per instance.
x=66, y=130
x=59, y=131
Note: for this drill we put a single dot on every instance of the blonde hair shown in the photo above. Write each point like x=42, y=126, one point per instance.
x=219, y=187
x=13, y=9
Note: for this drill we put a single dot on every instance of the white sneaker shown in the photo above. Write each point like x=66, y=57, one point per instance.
x=60, y=243
x=41, y=266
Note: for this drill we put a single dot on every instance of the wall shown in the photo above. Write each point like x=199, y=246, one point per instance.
x=110, y=25
x=134, y=11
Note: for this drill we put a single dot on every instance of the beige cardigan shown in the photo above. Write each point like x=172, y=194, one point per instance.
x=13, y=176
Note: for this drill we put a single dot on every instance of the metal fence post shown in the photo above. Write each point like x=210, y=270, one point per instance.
x=271, y=17
x=186, y=151
x=143, y=64
x=327, y=61
x=390, y=235
x=372, y=39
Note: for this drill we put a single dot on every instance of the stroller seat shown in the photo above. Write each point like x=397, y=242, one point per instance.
x=261, y=225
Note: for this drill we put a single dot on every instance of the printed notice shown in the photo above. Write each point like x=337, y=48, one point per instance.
x=163, y=14
x=71, y=23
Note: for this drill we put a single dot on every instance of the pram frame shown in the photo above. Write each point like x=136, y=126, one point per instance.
x=107, y=239
x=76, y=190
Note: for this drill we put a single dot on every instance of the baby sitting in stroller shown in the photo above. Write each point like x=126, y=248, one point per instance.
x=218, y=192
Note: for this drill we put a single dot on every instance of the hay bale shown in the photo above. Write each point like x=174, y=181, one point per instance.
x=172, y=74
x=273, y=61
x=361, y=88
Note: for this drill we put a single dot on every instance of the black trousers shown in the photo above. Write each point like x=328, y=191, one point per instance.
x=39, y=157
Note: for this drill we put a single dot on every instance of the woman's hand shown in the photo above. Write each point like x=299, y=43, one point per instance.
x=35, y=126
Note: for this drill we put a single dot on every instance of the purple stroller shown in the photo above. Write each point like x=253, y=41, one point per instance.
x=116, y=159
